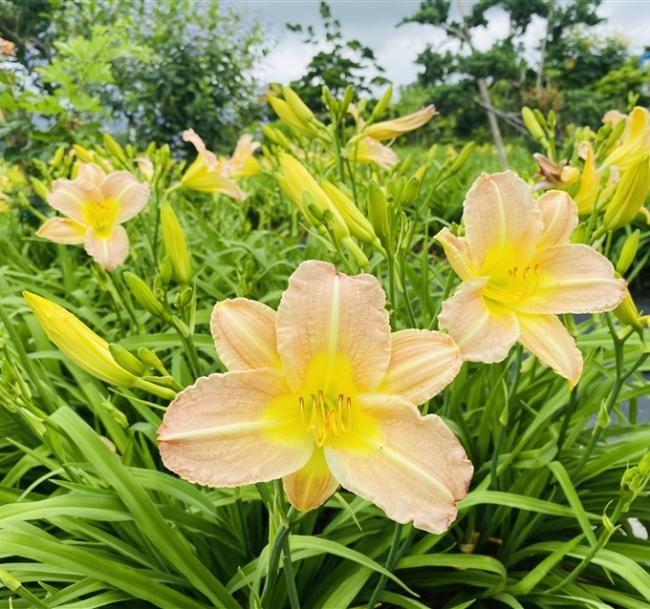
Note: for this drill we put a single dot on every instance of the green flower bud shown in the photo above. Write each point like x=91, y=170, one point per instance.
x=127, y=360
x=113, y=147
x=144, y=296
x=462, y=158
x=175, y=244
x=382, y=104
x=628, y=252
x=150, y=359
x=378, y=212
x=39, y=188
x=532, y=124
x=629, y=196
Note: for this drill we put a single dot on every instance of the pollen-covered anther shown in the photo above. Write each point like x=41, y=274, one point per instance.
x=326, y=417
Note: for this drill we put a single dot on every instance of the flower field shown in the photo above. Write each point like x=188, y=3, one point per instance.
x=328, y=369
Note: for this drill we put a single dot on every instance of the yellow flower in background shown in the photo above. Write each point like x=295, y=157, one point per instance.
x=321, y=394
x=96, y=205
x=635, y=142
x=368, y=150
x=630, y=195
x=207, y=173
x=386, y=130
x=243, y=163
x=520, y=271
x=587, y=193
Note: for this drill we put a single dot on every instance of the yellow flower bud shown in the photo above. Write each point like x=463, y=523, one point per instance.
x=175, y=244
x=532, y=125
x=288, y=116
x=85, y=155
x=85, y=348
x=298, y=182
x=113, y=147
x=300, y=109
x=39, y=188
x=356, y=221
x=628, y=252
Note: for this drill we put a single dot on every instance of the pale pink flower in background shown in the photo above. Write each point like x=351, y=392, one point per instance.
x=96, y=205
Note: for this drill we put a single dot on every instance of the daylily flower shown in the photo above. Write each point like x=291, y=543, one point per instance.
x=635, y=142
x=369, y=150
x=207, y=173
x=519, y=272
x=243, y=164
x=386, y=130
x=321, y=394
x=96, y=205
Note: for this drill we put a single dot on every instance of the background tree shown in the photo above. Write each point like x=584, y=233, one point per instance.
x=197, y=71
x=341, y=63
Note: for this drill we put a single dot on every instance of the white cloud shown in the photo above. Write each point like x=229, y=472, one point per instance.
x=374, y=23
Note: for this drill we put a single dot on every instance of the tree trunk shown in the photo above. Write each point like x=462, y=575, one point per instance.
x=494, y=125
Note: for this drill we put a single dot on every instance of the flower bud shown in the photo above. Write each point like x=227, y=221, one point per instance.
x=127, y=360
x=83, y=154
x=628, y=252
x=356, y=221
x=39, y=188
x=347, y=99
x=300, y=109
x=276, y=136
x=382, y=104
x=644, y=465
x=378, y=212
x=629, y=196
x=628, y=313
x=58, y=156
x=462, y=158
x=175, y=244
x=165, y=270
x=144, y=296
x=603, y=419
x=82, y=346
x=288, y=116
x=150, y=359
x=113, y=147
x=534, y=128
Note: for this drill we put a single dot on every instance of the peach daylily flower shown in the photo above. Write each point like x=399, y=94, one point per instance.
x=519, y=272
x=96, y=205
x=368, y=150
x=321, y=394
x=207, y=173
x=387, y=130
x=635, y=141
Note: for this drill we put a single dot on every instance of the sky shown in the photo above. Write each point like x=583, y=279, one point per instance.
x=373, y=23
